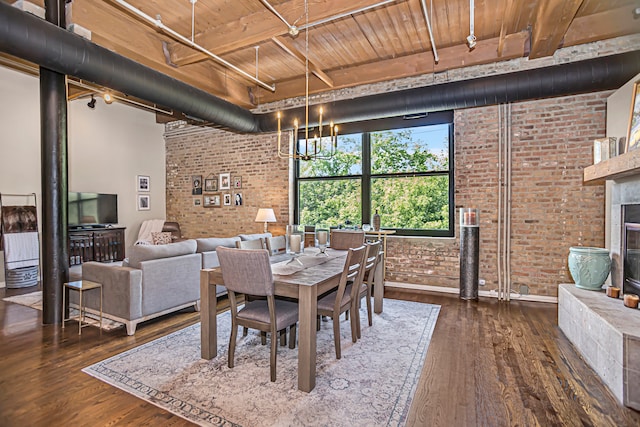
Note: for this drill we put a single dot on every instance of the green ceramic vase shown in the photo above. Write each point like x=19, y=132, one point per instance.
x=589, y=267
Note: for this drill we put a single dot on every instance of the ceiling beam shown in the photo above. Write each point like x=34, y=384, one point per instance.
x=507, y=22
x=117, y=31
x=600, y=26
x=411, y=65
x=75, y=92
x=288, y=47
x=258, y=27
x=553, y=18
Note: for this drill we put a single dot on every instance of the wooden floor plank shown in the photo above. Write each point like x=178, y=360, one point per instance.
x=489, y=364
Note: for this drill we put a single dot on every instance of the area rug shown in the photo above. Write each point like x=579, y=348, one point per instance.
x=34, y=300
x=371, y=385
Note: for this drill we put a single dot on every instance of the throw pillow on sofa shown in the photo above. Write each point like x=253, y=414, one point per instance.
x=140, y=253
x=161, y=237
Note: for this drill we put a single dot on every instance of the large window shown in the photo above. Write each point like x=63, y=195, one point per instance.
x=403, y=172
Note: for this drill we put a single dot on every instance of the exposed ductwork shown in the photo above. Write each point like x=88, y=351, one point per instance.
x=33, y=39
x=605, y=73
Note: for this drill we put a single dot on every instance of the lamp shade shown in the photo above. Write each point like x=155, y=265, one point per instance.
x=266, y=215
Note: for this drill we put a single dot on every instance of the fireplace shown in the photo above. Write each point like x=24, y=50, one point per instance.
x=631, y=249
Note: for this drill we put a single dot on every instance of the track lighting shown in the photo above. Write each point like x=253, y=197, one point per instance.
x=107, y=98
x=92, y=104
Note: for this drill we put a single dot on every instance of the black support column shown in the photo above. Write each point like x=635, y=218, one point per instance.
x=53, y=129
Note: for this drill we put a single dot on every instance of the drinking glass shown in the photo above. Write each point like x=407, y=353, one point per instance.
x=366, y=227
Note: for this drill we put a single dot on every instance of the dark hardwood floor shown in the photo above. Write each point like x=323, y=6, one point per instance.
x=489, y=364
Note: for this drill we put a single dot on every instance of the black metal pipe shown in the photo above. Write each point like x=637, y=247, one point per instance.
x=53, y=130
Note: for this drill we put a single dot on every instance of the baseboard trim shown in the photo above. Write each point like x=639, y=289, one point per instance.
x=482, y=293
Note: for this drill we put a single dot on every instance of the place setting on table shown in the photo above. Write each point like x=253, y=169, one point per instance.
x=298, y=258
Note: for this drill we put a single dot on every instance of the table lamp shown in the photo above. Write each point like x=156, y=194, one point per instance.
x=265, y=215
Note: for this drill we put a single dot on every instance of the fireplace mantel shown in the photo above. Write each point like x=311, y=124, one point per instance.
x=624, y=165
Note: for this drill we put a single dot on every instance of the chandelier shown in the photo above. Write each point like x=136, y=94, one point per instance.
x=319, y=147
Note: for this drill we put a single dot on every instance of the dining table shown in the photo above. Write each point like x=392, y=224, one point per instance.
x=312, y=274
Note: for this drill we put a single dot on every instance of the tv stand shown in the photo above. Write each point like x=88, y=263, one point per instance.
x=97, y=243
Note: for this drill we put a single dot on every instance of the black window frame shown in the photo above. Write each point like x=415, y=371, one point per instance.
x=379, y=125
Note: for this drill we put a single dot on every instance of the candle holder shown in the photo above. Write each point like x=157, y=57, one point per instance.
x=613, y=292
x=295, y=242
x=469, y=217
x=322, y=240
x=631, y=300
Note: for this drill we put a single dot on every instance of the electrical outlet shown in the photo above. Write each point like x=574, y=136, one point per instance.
x=482, y=282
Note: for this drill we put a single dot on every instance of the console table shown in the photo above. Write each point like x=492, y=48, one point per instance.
x=96, y=244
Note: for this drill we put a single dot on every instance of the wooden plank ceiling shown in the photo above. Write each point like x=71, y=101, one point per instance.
x=349, y=42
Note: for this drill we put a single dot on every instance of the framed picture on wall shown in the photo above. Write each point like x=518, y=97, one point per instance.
x=212, y=201
x=196, y=183
x=225, y=181
x=237, y=182
x=633, y=134
x=143, y=183
x=197, y=201
x=227, y=199
x=237, y=199
x=210, y=184
x=144, y=202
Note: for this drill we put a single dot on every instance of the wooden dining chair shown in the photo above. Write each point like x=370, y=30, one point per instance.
x=366, y=288
x=250, y=244
x=276, y=245
x=249, y=272
x=271, y=243
x=341, y=301
x=345, y=239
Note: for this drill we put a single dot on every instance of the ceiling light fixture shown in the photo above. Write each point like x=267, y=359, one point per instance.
x=316, y=148
x=109, y=97
x=92, y=104
x=471, y=38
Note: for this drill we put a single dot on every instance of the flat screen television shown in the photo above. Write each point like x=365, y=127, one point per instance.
x=92, y=209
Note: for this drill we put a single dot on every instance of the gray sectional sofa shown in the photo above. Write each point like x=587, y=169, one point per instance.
x=207, y=246
x=155, y=279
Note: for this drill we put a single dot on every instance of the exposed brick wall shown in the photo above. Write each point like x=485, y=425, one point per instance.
x=551, y=207
x=265, y=181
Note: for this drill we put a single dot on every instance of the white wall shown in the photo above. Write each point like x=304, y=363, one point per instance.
x=108, y=147
x=619, y=109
